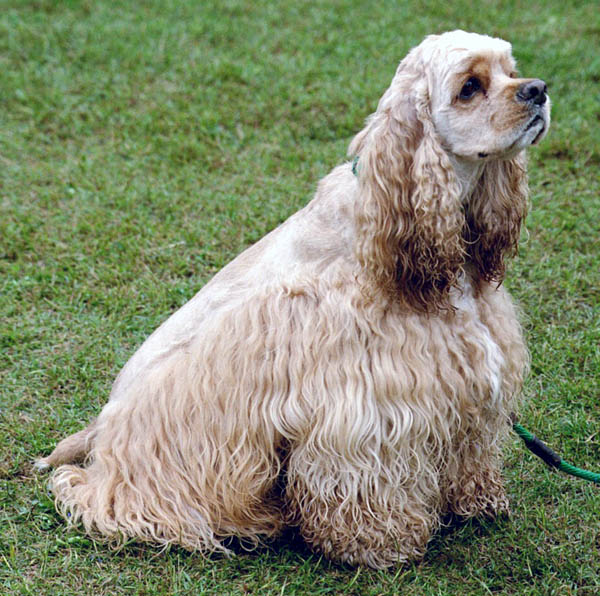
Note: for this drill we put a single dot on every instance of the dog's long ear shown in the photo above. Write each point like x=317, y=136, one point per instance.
x=408, y=217
x=495, y=212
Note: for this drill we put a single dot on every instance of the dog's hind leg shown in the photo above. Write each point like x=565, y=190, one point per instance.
x=176, y=460
x=73, y=449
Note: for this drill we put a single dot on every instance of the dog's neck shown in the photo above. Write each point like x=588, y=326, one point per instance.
x=468, y=173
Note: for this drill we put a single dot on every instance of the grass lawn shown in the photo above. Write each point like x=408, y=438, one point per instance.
x=144, y=144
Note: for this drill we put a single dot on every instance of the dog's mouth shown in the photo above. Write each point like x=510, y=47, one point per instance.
x=528, y=133
x=534, y=121
x=537, y=119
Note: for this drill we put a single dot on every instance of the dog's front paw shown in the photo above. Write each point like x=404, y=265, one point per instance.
x=480, y=494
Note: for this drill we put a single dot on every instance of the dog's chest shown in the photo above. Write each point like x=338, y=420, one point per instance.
x=480, y=345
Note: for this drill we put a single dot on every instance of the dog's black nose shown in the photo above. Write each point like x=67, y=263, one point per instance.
x=534, y=91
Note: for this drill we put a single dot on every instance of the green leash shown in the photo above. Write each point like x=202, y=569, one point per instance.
x=554, y=460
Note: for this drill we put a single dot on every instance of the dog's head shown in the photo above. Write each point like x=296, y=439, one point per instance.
x=480, y=108
x=441, y=167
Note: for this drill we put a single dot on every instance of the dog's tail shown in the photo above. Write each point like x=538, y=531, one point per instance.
x=73, y=449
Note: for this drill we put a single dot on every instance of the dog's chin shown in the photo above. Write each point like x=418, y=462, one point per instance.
x=532, y=132
x=528, y=134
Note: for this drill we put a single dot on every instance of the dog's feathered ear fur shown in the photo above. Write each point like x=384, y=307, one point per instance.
x=413, y=236
x=409, y=219
x=496, y=209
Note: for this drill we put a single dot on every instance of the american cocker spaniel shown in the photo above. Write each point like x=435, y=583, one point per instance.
x=352, y=373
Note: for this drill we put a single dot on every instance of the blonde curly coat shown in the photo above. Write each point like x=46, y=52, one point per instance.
x=351, y=373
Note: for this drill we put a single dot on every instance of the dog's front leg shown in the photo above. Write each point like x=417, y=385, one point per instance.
x=476, y=487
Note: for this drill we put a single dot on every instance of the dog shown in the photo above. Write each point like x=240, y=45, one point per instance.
x=352, y=373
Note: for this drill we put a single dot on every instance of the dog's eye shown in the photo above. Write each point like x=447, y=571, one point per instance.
x=470, y=88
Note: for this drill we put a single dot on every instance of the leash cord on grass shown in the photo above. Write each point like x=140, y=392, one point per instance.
x=554, y=460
